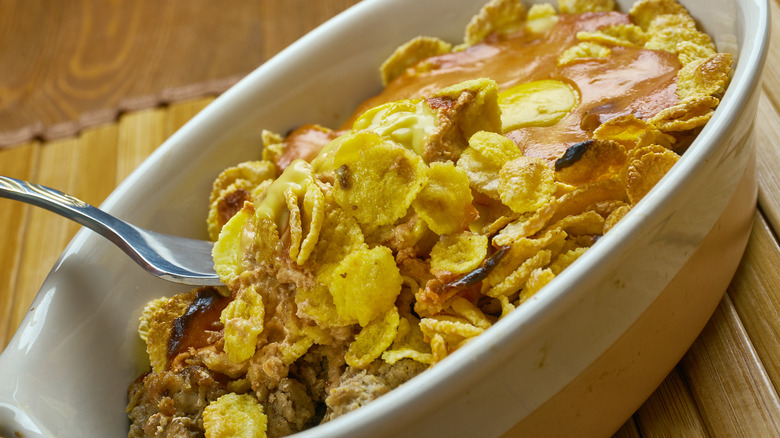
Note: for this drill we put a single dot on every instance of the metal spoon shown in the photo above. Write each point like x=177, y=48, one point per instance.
x=172, y=258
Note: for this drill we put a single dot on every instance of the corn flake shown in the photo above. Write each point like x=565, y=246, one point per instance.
x=539, y=278
x=644, y=11
x=365, y=284
x=631, y=132
x=615, y=216
x=691, y=113
x=583, y=51
x=525, y=184
x=515, y=281
x=373, y=339
x=377, y=180
x=565, y=259
x=646, y=170
x=459, y=253
x=497, y=16
x=704, y=77
x=228, y=263
x=445, y=201
x=243, y=322
x=580, y=6
x=597, y=160
x=409, y=343
x=409, y=54
x=618, y=35
x=312, y=219
x=235, y=416
x=472, y=313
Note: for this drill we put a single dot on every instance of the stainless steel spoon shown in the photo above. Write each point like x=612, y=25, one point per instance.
x=172, y=258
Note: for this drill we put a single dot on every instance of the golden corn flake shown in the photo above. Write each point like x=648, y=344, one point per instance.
x=483, y=159
x=644, y=11
x=565, y=259
x=472, y=313
x=409, y=343
x=291, y=351
x=340, y=235
x=704, y=77
x=618, y=35
x=410, y=123
x=235, y=416
x=478, y=109
x=583, y=51
x=445, y=201
x=668, y=38
x=243, y=322
x=631, y=132
x=409, y=54
x=688, y=52
x=312, y=219
x=365, y=284
x=228, y=262
x=663, y=21
x=377, y=180
x=539, y=278
x=373, y=339
x=525, y=184
x=615, y=217
x=251, y=172
x=451, y=331
x=646, y=170
x=580, y=6
x=541, y=17
x=294, y=221
x=231, y=188
x=459, y=253
x=497, y=16
x=145, y=320
x=691, y=113
x=583, y=197
x=525, y=226
x=439, y=348
x=316, y=303
x=588, y=222
x=160, y=323
x=515, y=281
x=273, y=145
x=537, y=103
x=593, y=160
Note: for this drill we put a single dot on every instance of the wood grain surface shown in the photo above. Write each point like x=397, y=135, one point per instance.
x=725, y=386
x=67, y=65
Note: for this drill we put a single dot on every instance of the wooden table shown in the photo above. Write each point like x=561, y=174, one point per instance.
x=726, y=385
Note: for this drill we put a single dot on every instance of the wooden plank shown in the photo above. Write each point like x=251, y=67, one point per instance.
x=628, y=430
x=140, y=133
x=755, y=293
x=767, y=133
x=17, y=163
x=180, y=113
x=671, y=411
x=728, y=381
x=70, y=65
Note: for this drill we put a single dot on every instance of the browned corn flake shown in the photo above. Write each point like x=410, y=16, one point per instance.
x=691, y=113
x=373, y=339
x=619, y=35
x=160, y=325
x=525, y=184
x=645, y=170
x=704, y=77
x=599, y=160
x=631, y=132
x=459, y=253
x=410, y=53
x=496, y=16
x=232, y=187
x=615, y=216
x=473, y=107
x=581, y=6
x=444, y=203
x=644, y=11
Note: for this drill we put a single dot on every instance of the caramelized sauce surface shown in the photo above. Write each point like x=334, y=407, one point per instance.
x=631, y=80
x=191, y=330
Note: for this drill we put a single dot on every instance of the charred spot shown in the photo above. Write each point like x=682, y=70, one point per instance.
x=343, y=175
x=202, y=315
x=572, y=154
x=231, y=204
x=480, y=273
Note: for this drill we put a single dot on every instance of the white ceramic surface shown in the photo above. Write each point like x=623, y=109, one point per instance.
x=66, y=371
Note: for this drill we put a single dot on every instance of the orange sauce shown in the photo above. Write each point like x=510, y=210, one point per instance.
x=631, y=80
